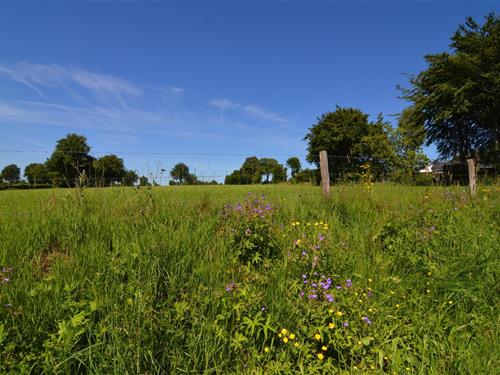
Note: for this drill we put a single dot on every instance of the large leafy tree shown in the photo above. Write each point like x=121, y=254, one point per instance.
x=70, y=158
x=37, y=173
x=350, y=140
x=11, y=173
x=271, y=168
x=180, y=172
x=294, y=164
x=250, y=171
x=457, y=97
x=254, y=169
x=109, y=169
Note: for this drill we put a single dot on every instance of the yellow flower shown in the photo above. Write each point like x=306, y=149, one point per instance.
x=129, y=301
x=372, y=367
x=339, y=313
x=324, y=348
x=297, y=223
x=280, y=335
x=450, y=302
x=284, y=331
x=296, y=344
x=317, y=336
x=331, y=326
x=285, y=340
x=330, y=311
x=391, y=292
x=370, y=309
x=429, y=273
x=266, y=349
x=316, y=224
x=320, y=356
x=360, y=343
x=370, y=280
x=292, y=336
x=428, y=291
x=397, y=305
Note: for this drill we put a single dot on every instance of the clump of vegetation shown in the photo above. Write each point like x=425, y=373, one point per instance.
x=249, y=226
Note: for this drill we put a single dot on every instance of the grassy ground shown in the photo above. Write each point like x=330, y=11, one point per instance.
x=166, y=280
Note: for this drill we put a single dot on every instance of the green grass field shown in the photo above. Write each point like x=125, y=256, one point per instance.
x=166, y=280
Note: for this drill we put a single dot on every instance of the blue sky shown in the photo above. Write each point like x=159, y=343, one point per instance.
x=243, y=77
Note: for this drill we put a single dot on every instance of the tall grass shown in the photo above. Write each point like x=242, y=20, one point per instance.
x=133, y=281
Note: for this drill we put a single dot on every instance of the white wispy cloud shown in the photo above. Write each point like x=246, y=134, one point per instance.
x=256, y=111
x=223, y=105
x=176, y=90
x=96, y=117
x=39, y=77
x=250, y=109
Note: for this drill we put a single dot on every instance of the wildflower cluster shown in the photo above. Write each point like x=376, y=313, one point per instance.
x=367, y=177
x=309, y=240
x=249, y=225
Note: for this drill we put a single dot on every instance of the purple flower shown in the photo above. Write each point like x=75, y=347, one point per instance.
x=321, y=237
x=304, y=253
x=367, y=320
x=338, y=286
x=230, y=287
x=301, y=294
x=348, y=283
x=370, y=293
x=304, y=276
x=263, y=308
x=329, y=297
x=317, y=247
x=238, y=207
x=305, y=281
x=345, y=324
x=268, y=207
x=314, y=285
x=326, y=284
x=312, y=296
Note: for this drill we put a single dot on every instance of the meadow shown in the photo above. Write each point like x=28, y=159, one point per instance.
x=250, y=279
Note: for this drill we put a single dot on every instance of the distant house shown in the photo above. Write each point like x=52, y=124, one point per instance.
x=436, y=167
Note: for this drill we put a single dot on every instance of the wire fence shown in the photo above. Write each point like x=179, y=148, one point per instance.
x=343, y=169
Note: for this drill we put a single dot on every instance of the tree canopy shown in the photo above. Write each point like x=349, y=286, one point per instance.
x=457, y=98
x=109, y=169
x=294, y=164
x=11, y=173
x=37, y=173
x=70, y=158
x=180, y=172
x=253, y=170
x=350, y=140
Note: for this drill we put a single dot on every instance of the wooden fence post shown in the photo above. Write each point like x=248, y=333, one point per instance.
x=472, y=176
x=325, y=175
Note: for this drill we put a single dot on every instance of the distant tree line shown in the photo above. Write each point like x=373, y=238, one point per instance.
x=71, y=164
